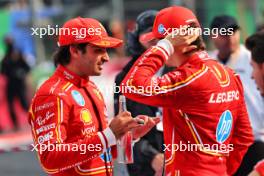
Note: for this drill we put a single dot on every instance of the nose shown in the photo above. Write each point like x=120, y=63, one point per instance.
x=105, y=57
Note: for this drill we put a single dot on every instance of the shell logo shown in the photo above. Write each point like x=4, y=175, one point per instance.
x=86, y=116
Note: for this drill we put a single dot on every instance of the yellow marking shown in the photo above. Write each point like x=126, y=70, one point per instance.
x=97, y=93
x=66, y=85
x=31, y=112
x=218, y=72
x=200, y=145
x=49, y=171
x=58, y=123
x=171, y=161
x=174, y=85
x=186, y=80
x=222, y=82
x=93, y=173
x=193, y=134
x=154, y=49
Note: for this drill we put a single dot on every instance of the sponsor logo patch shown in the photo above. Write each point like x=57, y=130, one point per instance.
x=46, y=137
x=161, y=28
x=44, y=106
x=86, y=116
x=41, y=121
x=45, y=128
x=108, y=157
x=77, y=96
x=224, y=126
x=89, y=131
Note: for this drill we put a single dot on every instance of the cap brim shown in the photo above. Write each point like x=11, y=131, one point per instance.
x=144, y=38
x=107, y=42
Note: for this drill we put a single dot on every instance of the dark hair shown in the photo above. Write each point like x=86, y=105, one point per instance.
x=199, y=42
x=224, y=21
x=62, y=55
x=133, y=46
x=144, y=23
x=255, y=43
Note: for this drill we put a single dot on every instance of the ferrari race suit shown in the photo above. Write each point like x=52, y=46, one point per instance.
x=206, y=125
x=68, y=115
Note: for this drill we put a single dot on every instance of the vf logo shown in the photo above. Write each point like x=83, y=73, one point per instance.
x=224, y=126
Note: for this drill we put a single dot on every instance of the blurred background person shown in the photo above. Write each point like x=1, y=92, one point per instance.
x=20, y=20
x=230, y=52
x=117, y=29
x=255, y=44
x=148, y=154
x=15, y=69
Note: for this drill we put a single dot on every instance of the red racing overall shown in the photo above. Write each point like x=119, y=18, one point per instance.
x=68, y=109
x=206, y=125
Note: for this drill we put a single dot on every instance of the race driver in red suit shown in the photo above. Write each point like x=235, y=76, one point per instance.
x=206, y=125
x=68, y=114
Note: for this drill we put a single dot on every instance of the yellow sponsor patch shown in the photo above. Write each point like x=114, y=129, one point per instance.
x=86, y=116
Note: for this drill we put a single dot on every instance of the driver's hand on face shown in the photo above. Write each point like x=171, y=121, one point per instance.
x=122, y=123
x=182, y=40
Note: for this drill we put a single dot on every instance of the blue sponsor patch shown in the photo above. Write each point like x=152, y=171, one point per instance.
x=161, y=28
x=108, y=155
x=224, y=127
x=77, y=96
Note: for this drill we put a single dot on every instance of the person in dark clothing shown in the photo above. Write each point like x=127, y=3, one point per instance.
x=148, y=152
x=15, y=68
x=236, y=56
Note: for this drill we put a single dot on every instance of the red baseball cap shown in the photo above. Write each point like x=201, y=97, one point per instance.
x=86, y=30
x=168, y=18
